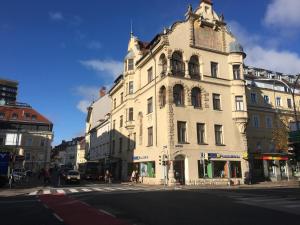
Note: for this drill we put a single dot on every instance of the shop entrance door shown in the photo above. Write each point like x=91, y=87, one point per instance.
x=179, y=170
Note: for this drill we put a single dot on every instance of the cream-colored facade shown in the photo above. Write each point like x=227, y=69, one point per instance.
x=190, y=74
x=271, y=115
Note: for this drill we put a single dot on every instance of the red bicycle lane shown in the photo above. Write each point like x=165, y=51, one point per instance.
x=74, y=212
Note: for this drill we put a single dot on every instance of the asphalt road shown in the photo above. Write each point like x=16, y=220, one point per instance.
x=174, y=207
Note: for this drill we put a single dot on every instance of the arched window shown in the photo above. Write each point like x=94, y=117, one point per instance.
x=163, y=64
x=194, y=68
x=178, y=95
x=162, y=96
x=177, y=64
x=196, y=97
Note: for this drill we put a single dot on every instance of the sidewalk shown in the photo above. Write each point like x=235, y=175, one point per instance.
x=262, y=185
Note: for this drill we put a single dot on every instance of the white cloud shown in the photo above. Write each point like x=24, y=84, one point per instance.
x=56, y=16
x=88, y=94
x=94, y=45
x=283, y=14
x=264, y=53
x=111, y=67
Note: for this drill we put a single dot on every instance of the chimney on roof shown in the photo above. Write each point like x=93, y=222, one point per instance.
x=102, y=92
x=207, y=1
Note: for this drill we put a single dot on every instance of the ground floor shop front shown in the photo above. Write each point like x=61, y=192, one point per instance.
x=270, y=167
x=189, y=169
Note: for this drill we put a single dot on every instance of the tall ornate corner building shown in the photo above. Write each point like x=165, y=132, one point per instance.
x=179, y=109
x=272, y=108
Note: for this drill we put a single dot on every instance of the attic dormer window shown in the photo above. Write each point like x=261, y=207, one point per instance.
x=130, y=64
x=33, y=117
x=14, y=116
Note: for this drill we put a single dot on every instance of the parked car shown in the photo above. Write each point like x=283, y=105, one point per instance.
x=73, y=176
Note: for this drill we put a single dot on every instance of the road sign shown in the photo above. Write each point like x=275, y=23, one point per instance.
x=4, y=161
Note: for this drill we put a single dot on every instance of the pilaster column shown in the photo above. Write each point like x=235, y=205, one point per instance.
x=172, y=180
x=186, y=72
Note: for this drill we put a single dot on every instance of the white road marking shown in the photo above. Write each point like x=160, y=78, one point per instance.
x=73, y=190
x=60, y=191
x=107, y=213
x=57, y=217
x=86, y=190
x=46, y=192
x=98, y=189
x=33, y=193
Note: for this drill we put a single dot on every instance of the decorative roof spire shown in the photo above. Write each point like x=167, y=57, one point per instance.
x=131, y=29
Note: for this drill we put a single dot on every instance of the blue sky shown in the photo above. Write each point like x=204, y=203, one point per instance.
x=63, y=51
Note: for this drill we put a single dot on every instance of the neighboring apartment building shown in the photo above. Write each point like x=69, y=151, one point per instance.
x=98, y=131
x=8, y=91
x=70, y=153
x=27, y=135
x=182, y=98
x=271, y=114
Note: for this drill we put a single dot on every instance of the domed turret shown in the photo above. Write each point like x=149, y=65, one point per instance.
x=236, y=47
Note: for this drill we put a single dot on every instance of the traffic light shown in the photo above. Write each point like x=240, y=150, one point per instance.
x=159, y=160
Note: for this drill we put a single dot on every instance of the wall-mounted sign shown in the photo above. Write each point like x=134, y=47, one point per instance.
x=140, y=157
x=222, y=156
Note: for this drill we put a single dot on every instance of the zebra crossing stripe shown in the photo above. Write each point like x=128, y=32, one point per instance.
x=46, y=192
x=60, y=191
x=98, y=189
x=86, y=190
x=110, y=189
x=73, y=190
x=33, y=193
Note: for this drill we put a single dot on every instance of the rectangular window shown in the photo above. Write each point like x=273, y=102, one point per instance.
x=239, y=103
x=150, y=136
x=181, y=130
x=43, y=142
x=202, y=168
x=128, y=142
x=14, y=116
x=236, y=72
x=27, y=116
x=27, y=156
x=214, y=69
x=278, y=101
x=266, y=99
x=253, y=98
x=33, y=117
x=200, y=133
x=121, y=97
x=149, y=105
x=115, y=103
x=269, y=122
x=130, y=64
x=29, y=142
x=150, y=75
x=255, y=121
x=2, y=141
x=219, y=134
x=130, y=91
x=289, y=103
x=121, y=121
x=120, y=144
x=130, y=114
x=216, y=102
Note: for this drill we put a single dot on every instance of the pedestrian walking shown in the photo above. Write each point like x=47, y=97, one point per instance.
x=132, y=178
x=136, y=176
x=107, y=176
x=47, y=177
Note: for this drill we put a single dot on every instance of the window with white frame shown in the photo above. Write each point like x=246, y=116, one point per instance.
x=219, y=134
x=181, y=132
x=130, y=64
x=150, y=75
x=149, y=105
x=289, y=103
x=266, y=99
x=239, y=103
x=200, y=133
x=130, y=87
x=278, y=101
